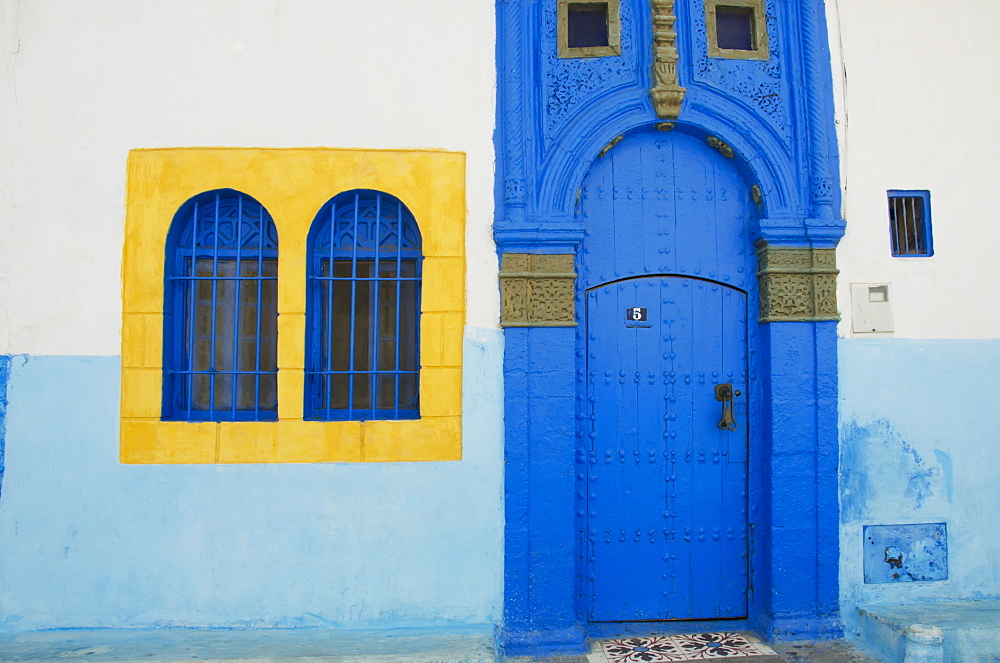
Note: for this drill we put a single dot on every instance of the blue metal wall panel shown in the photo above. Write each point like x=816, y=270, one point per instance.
x=906, y=553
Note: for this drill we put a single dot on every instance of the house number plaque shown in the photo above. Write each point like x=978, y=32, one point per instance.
x=636, y=316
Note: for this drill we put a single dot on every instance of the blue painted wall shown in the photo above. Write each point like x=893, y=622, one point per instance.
x=919, y=431
x=88, y=542
x=4, y=378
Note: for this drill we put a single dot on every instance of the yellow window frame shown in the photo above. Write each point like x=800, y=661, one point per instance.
x=293, y=184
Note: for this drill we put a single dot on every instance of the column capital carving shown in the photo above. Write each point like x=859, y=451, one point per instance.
x=537, y=290
x=797, y=283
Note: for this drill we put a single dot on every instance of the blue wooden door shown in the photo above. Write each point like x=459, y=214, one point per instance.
x=666, y=486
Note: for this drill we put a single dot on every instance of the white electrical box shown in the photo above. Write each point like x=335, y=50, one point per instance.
x=871, y=305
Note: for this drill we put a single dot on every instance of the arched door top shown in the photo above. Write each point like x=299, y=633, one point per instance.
x=667, y=203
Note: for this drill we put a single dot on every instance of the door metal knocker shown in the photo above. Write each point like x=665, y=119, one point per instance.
x=724, y=393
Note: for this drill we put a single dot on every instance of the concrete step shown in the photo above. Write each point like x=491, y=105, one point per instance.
x=933, y=631
x=458, y=644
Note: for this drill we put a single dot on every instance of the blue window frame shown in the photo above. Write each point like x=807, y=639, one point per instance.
x=910, y=223
x=221, y=311
x=363, y=310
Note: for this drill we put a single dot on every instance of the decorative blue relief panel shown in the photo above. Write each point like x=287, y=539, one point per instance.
x=570, y=83
x=906, y=553
x=757, y=83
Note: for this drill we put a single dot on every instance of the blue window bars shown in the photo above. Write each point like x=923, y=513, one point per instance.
x=221, y=311
x=910, y=223
x=362, y=310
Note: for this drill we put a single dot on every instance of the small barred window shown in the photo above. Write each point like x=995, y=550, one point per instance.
x=910, y=223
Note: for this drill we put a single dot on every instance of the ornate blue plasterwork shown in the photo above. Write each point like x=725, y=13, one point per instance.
x=556, y=114
x=571, y=82
x=554, y=119
x=758, y=83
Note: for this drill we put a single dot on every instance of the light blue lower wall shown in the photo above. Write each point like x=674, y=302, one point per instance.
x=88, y=542
x=920, y=443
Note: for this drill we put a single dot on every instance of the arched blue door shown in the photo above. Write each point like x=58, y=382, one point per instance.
x=667, y=482
x=668, y=269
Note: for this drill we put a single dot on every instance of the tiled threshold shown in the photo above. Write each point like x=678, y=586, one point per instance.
x=685, y=647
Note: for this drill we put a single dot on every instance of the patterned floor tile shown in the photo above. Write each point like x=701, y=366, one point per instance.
x=692, y=647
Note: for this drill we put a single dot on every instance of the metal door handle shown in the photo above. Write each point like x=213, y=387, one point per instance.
x=724, y=393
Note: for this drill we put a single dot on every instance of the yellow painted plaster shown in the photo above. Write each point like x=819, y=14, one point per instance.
x=446, y=385
x=449, y=292
x=423, y=439
x=293, y=184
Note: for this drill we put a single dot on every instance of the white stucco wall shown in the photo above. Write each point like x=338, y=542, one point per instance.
x=84, y=82
x=914, y=113
x=284, y=544
x=915, y=82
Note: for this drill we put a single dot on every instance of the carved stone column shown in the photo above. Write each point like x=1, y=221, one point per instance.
x=537, y=290
x=797, y=283
x=667, y=94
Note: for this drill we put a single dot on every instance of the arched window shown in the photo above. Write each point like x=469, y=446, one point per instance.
x=221, y=311
x=362, y=312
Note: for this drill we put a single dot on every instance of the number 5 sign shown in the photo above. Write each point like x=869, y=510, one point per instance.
x=635, y=314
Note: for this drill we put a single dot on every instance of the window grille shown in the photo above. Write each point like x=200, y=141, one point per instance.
x=363, y=310
x=910, y=223
x=220, y=311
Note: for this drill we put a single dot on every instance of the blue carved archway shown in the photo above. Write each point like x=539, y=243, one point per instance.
x=771, y=121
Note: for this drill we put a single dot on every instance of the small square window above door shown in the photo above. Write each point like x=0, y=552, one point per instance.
x=589, y=29
x=736, y=29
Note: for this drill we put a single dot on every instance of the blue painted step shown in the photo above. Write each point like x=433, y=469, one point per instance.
x=933, y=631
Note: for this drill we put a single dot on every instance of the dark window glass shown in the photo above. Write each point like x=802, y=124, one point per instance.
x=587, y=25
x=734, y=28
x=910, y=223
x=363, y=312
